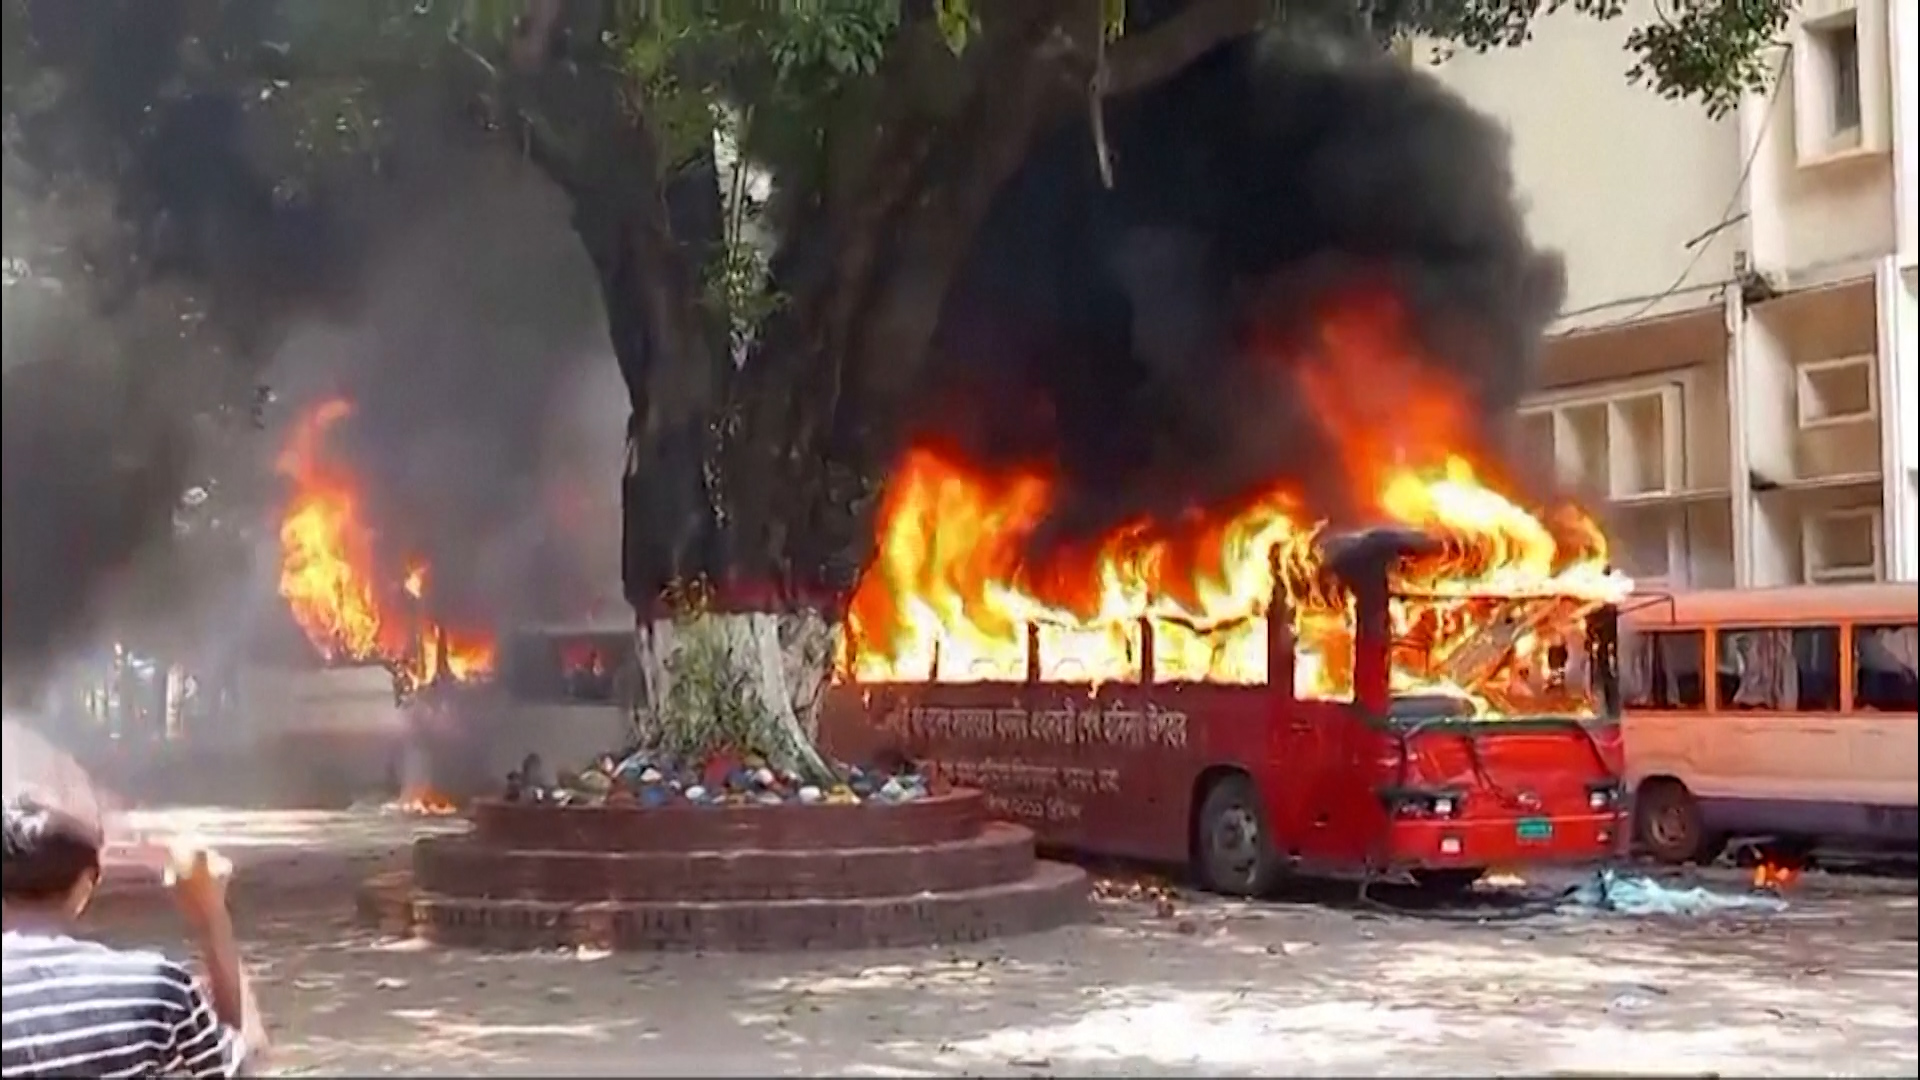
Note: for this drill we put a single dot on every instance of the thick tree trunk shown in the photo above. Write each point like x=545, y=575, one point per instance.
x=774, y=668
x=823, y=402
x=707, y=680
x=648, y=230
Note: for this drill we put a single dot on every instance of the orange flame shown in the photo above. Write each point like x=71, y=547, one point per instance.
x=954, y=585
x=424, y=802
x=1771, y=875
x=330, y=579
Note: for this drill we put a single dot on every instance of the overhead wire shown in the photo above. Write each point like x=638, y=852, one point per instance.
x=1729, y=216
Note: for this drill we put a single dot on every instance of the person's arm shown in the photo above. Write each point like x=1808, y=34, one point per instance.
x=199, y=1043
x=228, y=985
x=222, y=1036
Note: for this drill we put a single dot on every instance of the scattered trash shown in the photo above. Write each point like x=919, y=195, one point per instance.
x=1611, y=893
x=641, y=779
x=1635, y=998
x=1134, y=888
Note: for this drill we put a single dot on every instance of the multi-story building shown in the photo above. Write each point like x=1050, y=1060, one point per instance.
x=1734, y=375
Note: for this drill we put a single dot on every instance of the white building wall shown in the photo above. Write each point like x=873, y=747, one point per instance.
x=1900, y=383
x=1734, y=381
x=1631, y=185
x=1904, y=66
x=1820, y=193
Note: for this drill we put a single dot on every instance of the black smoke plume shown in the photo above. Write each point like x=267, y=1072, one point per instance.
x=487, y=419
x=1141, y=343
x=152, y=332
x=92, y=476
x=434, y=283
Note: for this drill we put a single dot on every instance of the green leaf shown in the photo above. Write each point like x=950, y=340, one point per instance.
x=957, y=23
x=1712, y=51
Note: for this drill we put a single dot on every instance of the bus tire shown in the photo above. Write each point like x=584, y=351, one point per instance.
x=1233, y=851
x=1668, y=825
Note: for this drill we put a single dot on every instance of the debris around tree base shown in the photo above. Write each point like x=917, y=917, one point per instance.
x=650, y=780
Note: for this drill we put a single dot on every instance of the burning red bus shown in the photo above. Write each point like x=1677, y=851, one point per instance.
x=1409, y=712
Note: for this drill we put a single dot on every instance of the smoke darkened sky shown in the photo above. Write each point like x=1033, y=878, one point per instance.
x=451, y=303
x=1137, y=342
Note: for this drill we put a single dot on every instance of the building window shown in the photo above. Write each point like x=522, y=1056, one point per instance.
x=1884, y=667
x=1840, y=52
x=1788, y=670
x=1830, y=114
x=1663, y=671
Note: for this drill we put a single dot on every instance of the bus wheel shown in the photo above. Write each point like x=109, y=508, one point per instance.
x=1448, y=880
x=1233, y=854
x=1667, y=823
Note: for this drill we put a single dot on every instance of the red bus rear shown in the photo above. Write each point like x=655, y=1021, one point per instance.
x=1247, y=783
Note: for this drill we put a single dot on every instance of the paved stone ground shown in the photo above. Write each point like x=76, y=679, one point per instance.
x=1158, y=986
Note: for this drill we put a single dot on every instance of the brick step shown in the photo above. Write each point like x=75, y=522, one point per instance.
x=955, y=815
x=462, y=867
x=1053, y=895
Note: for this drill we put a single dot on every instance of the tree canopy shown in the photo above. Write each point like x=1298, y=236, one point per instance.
x=777, y=196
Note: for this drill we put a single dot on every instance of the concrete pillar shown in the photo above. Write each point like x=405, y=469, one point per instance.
x=1763, y=411
x=1903, y=47
x=1739, y=481
x=1898, y=316
x=1765, y=118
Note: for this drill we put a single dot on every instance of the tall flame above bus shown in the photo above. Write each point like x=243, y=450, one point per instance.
x=956, y=582
x=331, y=573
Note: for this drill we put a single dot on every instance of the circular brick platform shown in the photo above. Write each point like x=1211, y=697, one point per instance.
x=789, y=827
x=777, y=878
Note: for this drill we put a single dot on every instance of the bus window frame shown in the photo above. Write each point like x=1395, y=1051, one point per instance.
x=1843, y=671
x=1848, y=666
x=1708, y=660
x=1850, y=657
x=551, y=650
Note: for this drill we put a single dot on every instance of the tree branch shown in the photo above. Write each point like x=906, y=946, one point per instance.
x=1011, y=111
x=535, y=35
x=1141, y=59
x=646, y=234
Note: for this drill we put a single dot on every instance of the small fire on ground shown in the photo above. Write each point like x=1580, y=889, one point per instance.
x=1771, y=874
x=354, y=609
x=423, y=802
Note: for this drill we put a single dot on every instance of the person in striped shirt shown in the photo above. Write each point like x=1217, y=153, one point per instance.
x=74, y=1007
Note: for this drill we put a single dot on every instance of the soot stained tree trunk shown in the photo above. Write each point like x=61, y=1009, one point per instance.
x=761, y=479
x=707, y=677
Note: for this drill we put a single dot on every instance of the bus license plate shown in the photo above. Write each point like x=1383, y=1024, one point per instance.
x=1534, y=828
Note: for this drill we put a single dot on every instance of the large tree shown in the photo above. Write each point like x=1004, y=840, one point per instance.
x=778, y=198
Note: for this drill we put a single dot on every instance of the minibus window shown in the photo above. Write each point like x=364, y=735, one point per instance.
x=587, y=667
x=575, y=669
x=1883, y=667
x=1663, y=670
x=531, y=669
x=1794, y=669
